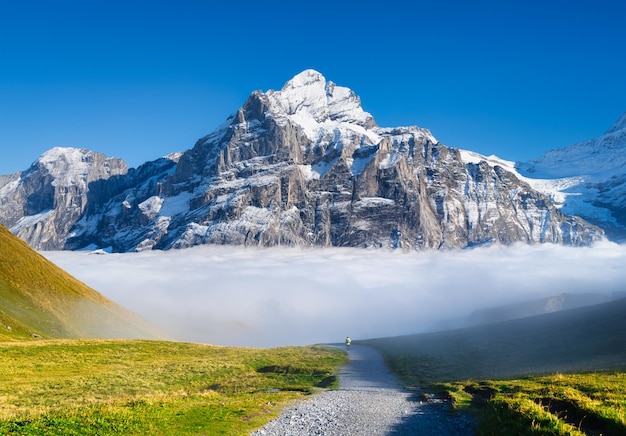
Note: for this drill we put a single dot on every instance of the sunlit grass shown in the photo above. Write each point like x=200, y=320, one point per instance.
x=559, y=404
x=147, y=387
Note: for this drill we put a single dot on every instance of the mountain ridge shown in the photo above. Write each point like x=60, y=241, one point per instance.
x=304, y=165
x=592, y=176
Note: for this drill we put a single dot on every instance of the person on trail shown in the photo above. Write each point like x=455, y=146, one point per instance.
x=348, y=341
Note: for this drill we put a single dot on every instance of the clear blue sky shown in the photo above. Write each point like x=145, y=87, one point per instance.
x=141, y=79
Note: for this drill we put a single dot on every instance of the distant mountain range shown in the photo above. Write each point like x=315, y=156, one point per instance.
x=39, y=300
x=306, y=166
x=592, y=177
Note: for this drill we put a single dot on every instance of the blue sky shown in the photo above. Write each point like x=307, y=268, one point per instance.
x=139, y=80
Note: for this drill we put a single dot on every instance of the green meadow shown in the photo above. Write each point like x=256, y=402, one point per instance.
x=137, y=387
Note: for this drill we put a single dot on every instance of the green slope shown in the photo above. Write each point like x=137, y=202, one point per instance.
x=590, y=338
x=38, y=298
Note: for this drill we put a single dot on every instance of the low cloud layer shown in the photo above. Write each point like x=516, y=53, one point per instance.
x=288, y=296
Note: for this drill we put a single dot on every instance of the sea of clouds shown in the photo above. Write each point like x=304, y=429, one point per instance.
x=290, y=296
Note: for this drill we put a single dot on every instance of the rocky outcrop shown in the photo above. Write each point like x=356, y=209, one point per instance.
x=307, y=166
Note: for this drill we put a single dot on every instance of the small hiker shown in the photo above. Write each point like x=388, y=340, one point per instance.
x=348, y=341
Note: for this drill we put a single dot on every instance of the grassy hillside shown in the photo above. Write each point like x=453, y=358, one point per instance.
x=136, y=387
x=557, y=374
x=591, y=338
x=38, y=298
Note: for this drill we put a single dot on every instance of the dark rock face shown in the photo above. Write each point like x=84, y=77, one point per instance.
x=302, y=166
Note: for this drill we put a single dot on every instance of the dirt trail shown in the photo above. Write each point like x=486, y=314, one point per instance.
x=369, y=401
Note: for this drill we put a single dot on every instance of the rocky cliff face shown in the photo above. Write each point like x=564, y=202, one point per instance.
x=42, y=204
x=306, y=166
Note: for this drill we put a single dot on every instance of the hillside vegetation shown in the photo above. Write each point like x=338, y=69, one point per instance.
x=590, y=338
x=38, y=299
x=53, y=385
x=574, y=404
x=558, y=374
x=138, y=387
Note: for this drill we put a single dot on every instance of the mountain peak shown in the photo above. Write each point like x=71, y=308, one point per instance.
x=620, y=124
x=55, y=153
x=314, y=102
x=66, y=164
x=305, y=78
x=70, y=166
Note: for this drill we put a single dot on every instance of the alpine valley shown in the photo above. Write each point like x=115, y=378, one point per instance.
x=307, y=166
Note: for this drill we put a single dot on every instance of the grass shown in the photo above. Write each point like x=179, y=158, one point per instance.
x=98, y=387
x=37, y=297
x=558, y=404
x=557, y=374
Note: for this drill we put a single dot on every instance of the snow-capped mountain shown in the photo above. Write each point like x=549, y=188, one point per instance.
x=590, y=178
x=305, y=165
x=42, y=204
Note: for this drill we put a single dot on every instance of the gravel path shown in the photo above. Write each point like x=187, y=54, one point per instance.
x=369, y=401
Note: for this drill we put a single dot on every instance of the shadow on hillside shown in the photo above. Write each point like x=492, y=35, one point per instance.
x=433, y=416
x=583, y=339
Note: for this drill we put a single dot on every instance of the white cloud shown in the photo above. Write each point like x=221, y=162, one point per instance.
x=288, y=296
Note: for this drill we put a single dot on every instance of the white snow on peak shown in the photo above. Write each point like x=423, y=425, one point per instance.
x=175, y=156
x=553, y=188
x=69, y=166
x=305, y=78
x=620, y=124
x=602, y=156
x=586, y=171
x=493, y=160
x=319, y=106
